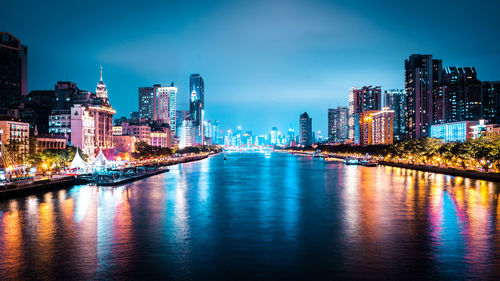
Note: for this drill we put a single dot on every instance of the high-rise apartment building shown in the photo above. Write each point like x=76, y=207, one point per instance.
x=362, y=99
x=490, y=94
x=13, y=70
x=186, y=133
x=146, y=96
x=305, y=127
x=395, y=99
x=458, y=96
x=383, y=126
x=164, y=105
x=338, y=129
x=376, y=127
x=422, y=77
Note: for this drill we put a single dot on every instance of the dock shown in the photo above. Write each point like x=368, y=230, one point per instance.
x=35, y=185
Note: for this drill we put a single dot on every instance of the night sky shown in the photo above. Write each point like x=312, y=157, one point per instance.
x=263, y=62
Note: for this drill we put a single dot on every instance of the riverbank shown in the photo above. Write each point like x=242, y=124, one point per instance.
x=34, y=186
x=448, y=171
x=489, y=176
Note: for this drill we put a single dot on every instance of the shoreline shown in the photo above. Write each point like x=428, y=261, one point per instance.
x=488, y=176
x=447, y=171
x=35, y=187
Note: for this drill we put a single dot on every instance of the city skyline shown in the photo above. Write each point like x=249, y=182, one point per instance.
x=254, y=74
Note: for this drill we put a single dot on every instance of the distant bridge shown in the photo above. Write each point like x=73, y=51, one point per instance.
x=248, y=147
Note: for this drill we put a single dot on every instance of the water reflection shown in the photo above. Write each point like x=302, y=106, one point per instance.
x=281, y=216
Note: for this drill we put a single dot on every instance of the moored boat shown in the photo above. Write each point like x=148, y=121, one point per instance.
x=351, y=161
x=369, y=162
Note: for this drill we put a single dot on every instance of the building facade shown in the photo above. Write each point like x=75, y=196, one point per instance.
x=146, y=106
x=361, y=99
x=338, y=129
x=422, y=76
x=13, y=70
x=383, y=127
x=454, y=131
x=140, y=132
x=15, y=136
x=197, y=104
x=49, y=142
x=490, y=95
x=305, y=127
x=458, y=96
x=186, y=133
x=395, y=99
x=82, y=133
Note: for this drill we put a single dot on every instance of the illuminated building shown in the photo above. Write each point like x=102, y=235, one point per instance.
x=338, y=129
x=158, y=103
x=117, y=130
x=124, y=143
x=16, y=133
x=455, y=131
x=49, y=142
x=60, y=122
x=100, y=109
x=490, y=94
x=13, y=70
x=164, y=105
x=395, y=99
x=376, y=127
x=305, y=130
x=422, y=77
x=383, y=126
x=140, y=132
x=186, y=133
x=161, y=138
x=361, y=99
x=197, y=104
x=291, y=137
x=146, y=97
x=365, y=127
x=274, y=136
x=483, y=128
x=458, y=97
x=83, y=129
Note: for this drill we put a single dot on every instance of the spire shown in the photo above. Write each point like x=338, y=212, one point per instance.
x=101, y=74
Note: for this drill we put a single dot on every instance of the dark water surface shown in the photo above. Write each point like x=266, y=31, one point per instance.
x=280, y=218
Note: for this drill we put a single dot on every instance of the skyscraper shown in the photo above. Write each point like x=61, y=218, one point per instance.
x=362, y=99
x=395, y=99
x=422, y=75
x=13, y=70
x=490, y=93
x=338, y=129
x=458, y=96
x=197, y=104
x=305, y=126
x=164, y=105
x=146, y=106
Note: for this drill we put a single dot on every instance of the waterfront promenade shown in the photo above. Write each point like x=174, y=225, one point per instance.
x=36, y=185
x=453, y=171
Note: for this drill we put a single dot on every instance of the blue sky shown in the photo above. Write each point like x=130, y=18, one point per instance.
x=263, y=62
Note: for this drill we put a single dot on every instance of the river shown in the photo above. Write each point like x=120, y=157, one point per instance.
x=258, y=217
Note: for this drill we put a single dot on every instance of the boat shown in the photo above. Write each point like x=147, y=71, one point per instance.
x=225, y=158
x=330, y=159
x=351, y=161
x=368, y=162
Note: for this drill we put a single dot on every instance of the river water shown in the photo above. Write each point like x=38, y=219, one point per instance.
x=255, y=217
